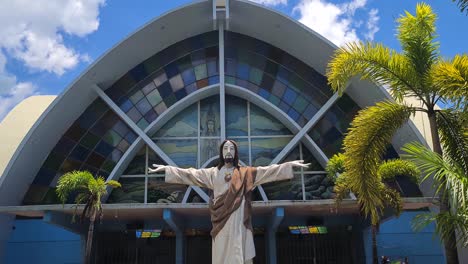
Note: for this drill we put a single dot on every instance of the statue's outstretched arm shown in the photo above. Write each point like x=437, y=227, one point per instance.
x=278, y=172
x=157, y=168
x=191, y=176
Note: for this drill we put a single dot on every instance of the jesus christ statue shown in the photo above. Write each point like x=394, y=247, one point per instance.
x=230, y=205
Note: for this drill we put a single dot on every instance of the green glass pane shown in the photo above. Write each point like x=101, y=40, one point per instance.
x=262, y=123
x=300, y=104
x=183, y=124
x=142, y=124
x=53, y=161
x=255, y=76
x=200, y=72
x=182, y=151
x=89, y=140
x=170, y=100
x=108, y=165
x=230, y=80
x=154, y=97
x=161, y=192
x=264, y=150
x=138, y=164
x=132, y=191
x=136, y=97
x=274, y=100
x=35, y=194
x=112, y=138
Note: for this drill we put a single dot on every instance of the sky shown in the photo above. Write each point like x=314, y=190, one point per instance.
x=46, y=44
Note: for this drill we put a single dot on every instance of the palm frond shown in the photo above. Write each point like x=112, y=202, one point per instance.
x=446, y=223
x=389, y=169
x=113, y=184
x=72, y=181
x=392, y=199
x=416, y=34
x=335, y=166
x=462, y=4
x=445, y=174
x=366, y=142
x=453, y=131
x=376, y=63
x=341, y=187
x=451, y=78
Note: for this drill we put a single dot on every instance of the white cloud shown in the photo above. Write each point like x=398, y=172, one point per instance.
x=372, y=24
x=33, y=31
x=271, y=2
x=16, y=94
x=336, y=21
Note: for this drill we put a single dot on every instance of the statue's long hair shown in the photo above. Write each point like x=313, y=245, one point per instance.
x=235, y=161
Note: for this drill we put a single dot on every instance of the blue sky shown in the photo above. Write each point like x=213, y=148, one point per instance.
x=46, y=44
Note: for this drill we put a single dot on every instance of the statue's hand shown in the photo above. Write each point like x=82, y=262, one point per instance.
x=157, y=168
x=299, y=163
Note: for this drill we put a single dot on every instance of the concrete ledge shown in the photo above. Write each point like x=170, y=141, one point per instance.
x=144, y=211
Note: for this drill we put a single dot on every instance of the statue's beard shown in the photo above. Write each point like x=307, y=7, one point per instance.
x=228, y=158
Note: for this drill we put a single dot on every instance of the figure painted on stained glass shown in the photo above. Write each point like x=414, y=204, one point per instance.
x=209, y=146
x=230, y=204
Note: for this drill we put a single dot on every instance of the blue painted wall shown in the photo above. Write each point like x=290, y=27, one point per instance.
x=34, y=241
x=396, y=239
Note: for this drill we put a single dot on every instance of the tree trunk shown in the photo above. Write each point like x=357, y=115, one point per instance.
x=89, y=241
x=450, y=244
x=375, y=257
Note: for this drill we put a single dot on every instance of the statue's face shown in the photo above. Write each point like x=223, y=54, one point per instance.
x=229, y=152
x=210, y=125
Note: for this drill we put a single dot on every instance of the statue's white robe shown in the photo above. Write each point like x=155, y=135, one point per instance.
x=234, y=244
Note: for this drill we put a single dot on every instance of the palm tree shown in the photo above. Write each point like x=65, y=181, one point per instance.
x=89, y=192
x=417, y=71
x=373, y=194
x=452, y=169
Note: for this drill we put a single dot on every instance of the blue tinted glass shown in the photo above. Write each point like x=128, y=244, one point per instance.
x=212, y=68
x=79, y=153
x=293, y=114
x=213, y=80
x=243, y=71
x=138, y=73
x=180, y=94
x=143, y=106
x=103, y=148
x=165, y=89
x=171, y=70
x=44, y=177
x=188, y=76
x=264, y=93
x=289, y=96
x=125, y=104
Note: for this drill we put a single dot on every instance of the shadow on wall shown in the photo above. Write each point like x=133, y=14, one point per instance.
x=396, y=240
x=34, y=241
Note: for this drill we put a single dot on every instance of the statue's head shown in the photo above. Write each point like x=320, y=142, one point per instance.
x=228, y=153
